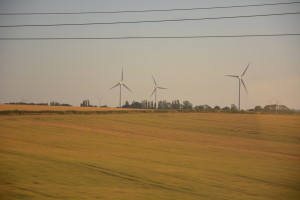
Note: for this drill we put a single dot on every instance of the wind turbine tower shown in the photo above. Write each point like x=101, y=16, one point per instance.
x=121, y=83
x=277, y=106
x=98, y=101
x=155, y=90
x=240, y=78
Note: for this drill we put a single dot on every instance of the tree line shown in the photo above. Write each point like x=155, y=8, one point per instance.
x=52, y=103
x=176, y=105
x=186, y=105
x=24, y=103
x=86, y=103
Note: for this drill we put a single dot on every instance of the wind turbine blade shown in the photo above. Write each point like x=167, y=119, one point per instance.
x=122, y=75
x=152, y=92
x=127, y=87
x=154, y=80
x=244, y=85
x=161, y=88
x=233, y=76
x=115, y=86
x=246, y=69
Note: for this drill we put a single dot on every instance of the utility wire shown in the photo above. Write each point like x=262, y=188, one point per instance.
x=151, y=21
x=154, y=10
x=157, y=37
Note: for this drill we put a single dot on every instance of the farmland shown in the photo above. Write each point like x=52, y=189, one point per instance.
x=150, y=156
x=11, y=107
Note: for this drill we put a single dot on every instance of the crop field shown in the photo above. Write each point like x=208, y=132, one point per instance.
x=150, y=156
x=12, y=107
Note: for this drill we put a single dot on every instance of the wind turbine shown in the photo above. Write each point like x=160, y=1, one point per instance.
x=121, y=83
x=241, y=80
x=98, y=100
x=277, y=106
x=155, y=90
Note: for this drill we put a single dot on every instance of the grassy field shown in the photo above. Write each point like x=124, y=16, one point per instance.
x=145, y=156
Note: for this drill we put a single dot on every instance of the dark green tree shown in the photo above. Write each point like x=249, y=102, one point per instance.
x=258, y=108
x=187, y=105
x=226, y=108
x=126, y=104
x=233, y=107
x=217, y=108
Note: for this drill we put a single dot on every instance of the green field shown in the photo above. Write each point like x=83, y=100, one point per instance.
x=150, y=156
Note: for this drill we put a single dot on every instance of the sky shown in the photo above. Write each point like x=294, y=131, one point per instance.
x=70, y=71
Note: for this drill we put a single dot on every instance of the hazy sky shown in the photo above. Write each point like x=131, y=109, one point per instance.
x=69, y=71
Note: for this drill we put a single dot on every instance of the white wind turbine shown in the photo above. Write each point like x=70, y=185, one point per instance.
x=155, y=90
x=241, y=80
x=121, y=83
x=277, y=106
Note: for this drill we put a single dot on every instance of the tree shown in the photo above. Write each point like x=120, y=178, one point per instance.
x=136, y=104
x=144, y=104
x=283, y=108
x=207, y=107
x=233, y=107
x=159, y=105
x=53, y=103
x=226, y=108
x=217, y=108
x=201, y=107
x=258, y=108
x=152, y=105
x=126, y=104
x=176, y=104
x=276, y=108
x=270, y=108
x=164, y=105
x=86, y=103
x=187, y=105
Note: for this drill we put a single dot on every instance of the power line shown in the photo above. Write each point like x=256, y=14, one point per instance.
x=154, y=10
x=150, y=21
x=157, y=37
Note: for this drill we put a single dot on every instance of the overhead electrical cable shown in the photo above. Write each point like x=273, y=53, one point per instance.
x=153, y=10
x=150, y=21
x=155, y=37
